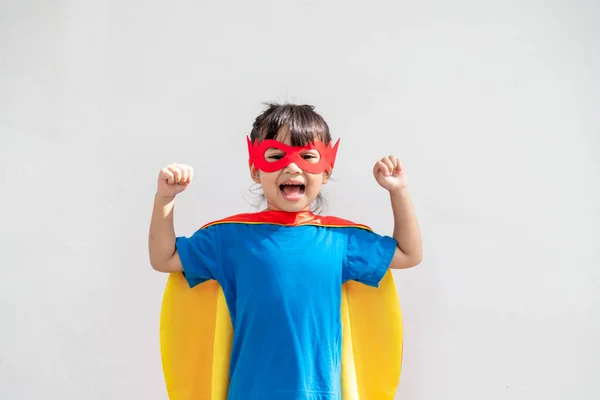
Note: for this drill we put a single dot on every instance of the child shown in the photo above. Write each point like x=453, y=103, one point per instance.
x=281, y=270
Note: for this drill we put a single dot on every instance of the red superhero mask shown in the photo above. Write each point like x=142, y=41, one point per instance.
x=292, y=154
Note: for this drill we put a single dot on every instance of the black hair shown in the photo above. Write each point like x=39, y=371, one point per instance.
x=304, y=125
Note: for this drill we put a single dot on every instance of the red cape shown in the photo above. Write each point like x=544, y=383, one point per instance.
x=287, y=219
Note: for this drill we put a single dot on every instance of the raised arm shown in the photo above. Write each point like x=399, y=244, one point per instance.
x=163, y=254
x=389, y=174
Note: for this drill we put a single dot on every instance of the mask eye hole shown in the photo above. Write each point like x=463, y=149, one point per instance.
x=272, y=154
x=311, y=156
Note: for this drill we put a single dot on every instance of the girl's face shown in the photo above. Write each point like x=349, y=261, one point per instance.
x=289, y=189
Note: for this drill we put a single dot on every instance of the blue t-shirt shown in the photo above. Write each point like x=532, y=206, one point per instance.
x=283, y=285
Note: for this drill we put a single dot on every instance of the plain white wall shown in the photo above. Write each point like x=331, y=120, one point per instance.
x=493, y=107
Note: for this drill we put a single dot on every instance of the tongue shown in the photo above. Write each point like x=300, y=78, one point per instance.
x=292, y=190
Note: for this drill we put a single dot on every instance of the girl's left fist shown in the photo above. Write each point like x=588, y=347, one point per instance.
x=389, y=174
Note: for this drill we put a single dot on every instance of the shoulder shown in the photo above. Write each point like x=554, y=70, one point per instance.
x=244, y=218
x=337, y=222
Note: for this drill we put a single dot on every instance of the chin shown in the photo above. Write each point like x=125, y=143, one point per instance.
x=290, y=206
x=294, y=207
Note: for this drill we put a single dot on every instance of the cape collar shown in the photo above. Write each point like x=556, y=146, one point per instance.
x=285, y=218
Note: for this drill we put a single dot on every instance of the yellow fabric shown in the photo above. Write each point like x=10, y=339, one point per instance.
x=196, y=336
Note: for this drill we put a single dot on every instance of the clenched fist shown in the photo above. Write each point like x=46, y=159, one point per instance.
x=174, y=179
x=389, y=174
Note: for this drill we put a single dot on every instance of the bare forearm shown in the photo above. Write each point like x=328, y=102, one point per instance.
x=161, y=238
x=406, y=228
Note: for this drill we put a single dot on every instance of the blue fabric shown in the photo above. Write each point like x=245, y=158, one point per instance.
x=283, y=289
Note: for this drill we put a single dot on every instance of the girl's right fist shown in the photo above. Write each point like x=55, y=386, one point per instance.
x=174, y=179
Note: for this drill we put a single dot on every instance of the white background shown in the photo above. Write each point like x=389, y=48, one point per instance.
x=493, y=107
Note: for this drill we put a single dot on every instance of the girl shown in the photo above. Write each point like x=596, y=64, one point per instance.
x=282, y=270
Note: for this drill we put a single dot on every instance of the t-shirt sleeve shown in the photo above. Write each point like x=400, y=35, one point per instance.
x=199, y=255
x=368, y=256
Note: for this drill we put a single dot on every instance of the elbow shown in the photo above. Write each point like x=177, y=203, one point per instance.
x=169, y=265
x=410, y=263
x=417, y=260
x=158, y=265
x=402, y=260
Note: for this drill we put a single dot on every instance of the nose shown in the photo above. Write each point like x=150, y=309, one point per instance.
x=292, y=168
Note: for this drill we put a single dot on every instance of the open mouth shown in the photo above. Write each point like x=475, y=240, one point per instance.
x=291, y=190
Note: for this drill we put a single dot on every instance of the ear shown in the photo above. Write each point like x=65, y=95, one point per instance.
x=326, y=176
x=254, y=173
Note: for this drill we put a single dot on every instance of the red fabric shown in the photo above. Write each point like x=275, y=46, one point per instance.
x=287, y=219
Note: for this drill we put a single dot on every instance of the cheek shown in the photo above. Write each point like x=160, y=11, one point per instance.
x=268, y=178
x=315, y=180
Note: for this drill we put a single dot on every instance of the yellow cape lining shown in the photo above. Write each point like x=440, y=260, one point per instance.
x=196, y=336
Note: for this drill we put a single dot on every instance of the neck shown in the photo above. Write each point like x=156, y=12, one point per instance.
x=272, y=207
